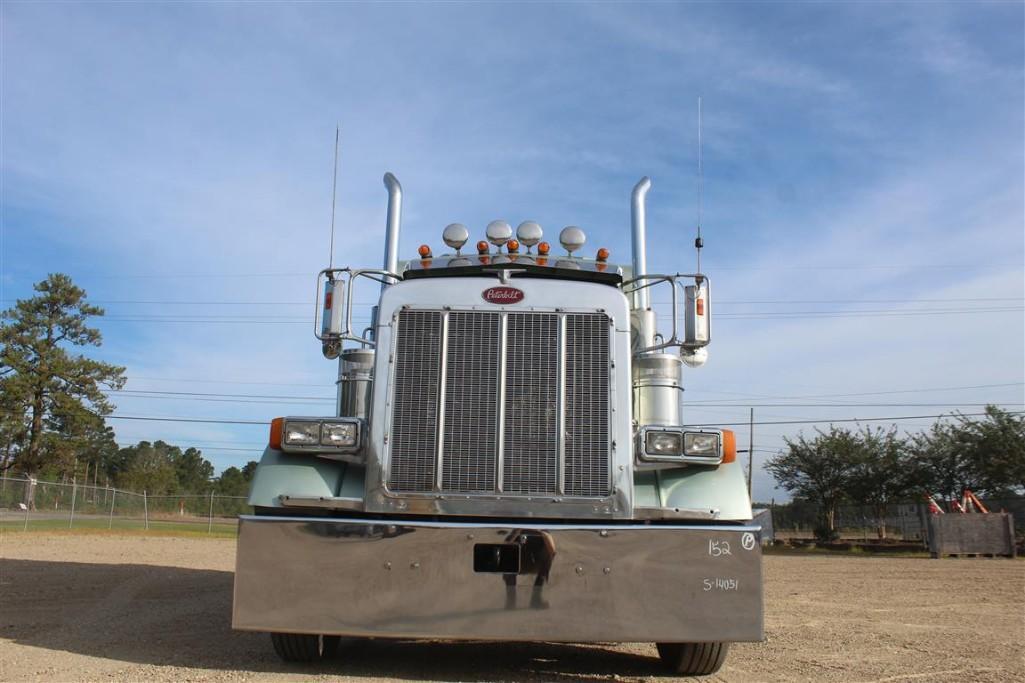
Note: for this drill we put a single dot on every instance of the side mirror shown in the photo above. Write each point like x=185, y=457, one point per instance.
x=696, y=316
x=334, y=296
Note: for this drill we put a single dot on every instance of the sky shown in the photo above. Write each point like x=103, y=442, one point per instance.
x=863, y=207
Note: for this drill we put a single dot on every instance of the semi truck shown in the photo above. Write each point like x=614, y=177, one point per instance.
x=508, y=460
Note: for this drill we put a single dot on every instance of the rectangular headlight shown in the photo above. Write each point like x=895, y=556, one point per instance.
x=301, y=433
x=701, y=444
x=664, y=444
x=339, y=434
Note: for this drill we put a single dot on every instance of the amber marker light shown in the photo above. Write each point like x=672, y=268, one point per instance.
x=482, y=247
x=699, y=306
x=729, y=445
x=276, y=425
x=603, y=254
x=424, y=251
x=513, y=246
x=543, y=248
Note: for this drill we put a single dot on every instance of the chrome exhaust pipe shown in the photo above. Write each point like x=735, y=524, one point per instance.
x=394, y=222
x=642, y=298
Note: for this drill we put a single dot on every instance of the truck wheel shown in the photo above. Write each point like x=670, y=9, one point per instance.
x=304, y=647
x=693, y=659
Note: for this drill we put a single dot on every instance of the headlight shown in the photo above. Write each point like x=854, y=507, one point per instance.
x=338, y=434
x=663, y=443
x=701, y=444
x=301, y=433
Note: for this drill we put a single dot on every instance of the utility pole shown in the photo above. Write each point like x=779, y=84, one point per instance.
x=750, y=451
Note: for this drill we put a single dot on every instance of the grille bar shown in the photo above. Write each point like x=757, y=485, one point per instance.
x=471, y=402
x=415, y=414
x=492, y=402
x=586, y=459
x=530, y=456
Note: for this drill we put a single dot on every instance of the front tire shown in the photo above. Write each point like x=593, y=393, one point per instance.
x=304, y=647
x=693, y=659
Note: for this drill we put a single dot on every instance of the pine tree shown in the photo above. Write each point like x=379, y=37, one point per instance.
x=55, y=395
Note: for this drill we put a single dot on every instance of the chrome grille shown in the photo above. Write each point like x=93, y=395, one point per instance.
x=587, y=405
x=470, y=444
x=481, y=399
x=530, y=455
x=415, y=414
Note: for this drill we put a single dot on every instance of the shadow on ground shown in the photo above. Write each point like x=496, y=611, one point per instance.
x=170, y=616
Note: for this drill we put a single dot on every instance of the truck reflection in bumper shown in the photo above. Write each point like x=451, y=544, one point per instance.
x=557, y=582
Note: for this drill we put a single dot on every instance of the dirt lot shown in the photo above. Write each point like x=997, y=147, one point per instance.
x=99, y=607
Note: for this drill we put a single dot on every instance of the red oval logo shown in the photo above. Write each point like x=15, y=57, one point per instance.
x=502, y=295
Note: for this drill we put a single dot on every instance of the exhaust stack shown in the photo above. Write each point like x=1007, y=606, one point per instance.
x=638, y=220
x=394, y=221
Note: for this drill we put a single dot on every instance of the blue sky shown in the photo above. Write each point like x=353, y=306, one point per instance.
x=863, y=183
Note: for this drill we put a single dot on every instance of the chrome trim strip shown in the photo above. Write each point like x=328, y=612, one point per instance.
x=674, y=513
x=439, y=459
x=560, y=413
x=333, y=503
x=503, y=354
x=519, y=524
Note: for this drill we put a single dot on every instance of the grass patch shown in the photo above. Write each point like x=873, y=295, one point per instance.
x=853, y=552
x=122, y=526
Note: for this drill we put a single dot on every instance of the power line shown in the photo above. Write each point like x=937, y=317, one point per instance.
x=906, y=266
x=720, y=302
x=846, y=405
x=198, y=447
x=895, y=313
x=852, y=419
x=223, y=381
x=199, y=393
x=766, y=315
x=738, y=302
x=884, y=392
x=303, y=400
x=264, y=423
x=233, y=400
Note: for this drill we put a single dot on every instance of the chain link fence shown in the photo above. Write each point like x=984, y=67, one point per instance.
x=58, y=505
x=903, y=521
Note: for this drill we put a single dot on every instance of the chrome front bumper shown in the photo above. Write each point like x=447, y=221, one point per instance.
x=556, y=582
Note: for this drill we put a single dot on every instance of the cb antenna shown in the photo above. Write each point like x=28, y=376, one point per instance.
x=698, y=242
x=334, y=192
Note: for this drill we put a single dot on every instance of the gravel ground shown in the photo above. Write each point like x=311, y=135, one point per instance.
x=118, y=607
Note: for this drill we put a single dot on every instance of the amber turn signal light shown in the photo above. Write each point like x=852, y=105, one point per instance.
x=276, y=425
x=729, y=445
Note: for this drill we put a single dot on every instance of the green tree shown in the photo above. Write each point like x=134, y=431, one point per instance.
x=148, y=467
x=882, y=474
x=985, y=455
x=234, y=481
x=819, y=470
x=13, y=424
x=192, y=471
x=55, y=388
x=995, y=447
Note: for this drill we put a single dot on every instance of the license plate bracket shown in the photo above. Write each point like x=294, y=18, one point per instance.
x=496, y=558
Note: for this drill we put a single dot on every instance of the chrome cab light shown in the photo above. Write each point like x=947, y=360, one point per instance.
x=679, y=445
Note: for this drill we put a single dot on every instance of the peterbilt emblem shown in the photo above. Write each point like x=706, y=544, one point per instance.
x=502, y=295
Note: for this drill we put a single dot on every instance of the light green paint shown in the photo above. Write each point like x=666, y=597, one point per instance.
x=297, y=475
x=696, y=488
